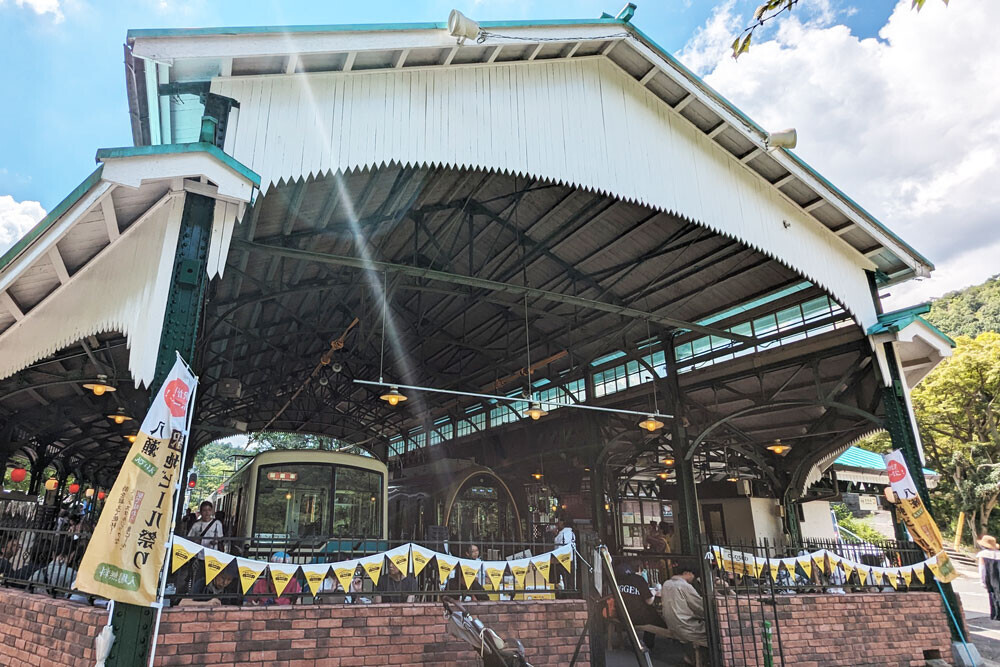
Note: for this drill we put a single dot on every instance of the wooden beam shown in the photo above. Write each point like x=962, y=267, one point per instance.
x=110, y=217
x=813, y=205
x=535, y=51
x=58, y=265
x=649, y=75
x=686, y=100
x=349, y=63
x=450, y=56
x=496, y=52
x=7, y=302
x=226, y=67
x=291, y=63
x=573, y=50
x=715, y=131
x=754, y=152
x=401, y=59
x=784, y=180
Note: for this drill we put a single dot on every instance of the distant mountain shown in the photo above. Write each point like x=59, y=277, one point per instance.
x=970, y=311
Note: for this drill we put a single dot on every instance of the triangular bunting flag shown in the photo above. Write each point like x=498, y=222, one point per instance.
x=315, y=574
x=519, y=568
x=848, y=566
x=494, y=572
x=470, y=570
x=819, y=557
x=400, y=557
x=420, y=558
x=918, y=570
x=344, y=572
x=878, y=575
x=446, y=565
x=215, y=562
x=893, y=574
x=564, y=556
x=717, y=552
x=863, y=573
x=774, y=566
x=281, y=574
x=805, y=562
x=184, y=551
x=249, y=571
x=907, y=573
x=373, y=566
x=935, y=567
x=542, y=564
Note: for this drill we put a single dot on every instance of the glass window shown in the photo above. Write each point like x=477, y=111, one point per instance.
x=293, y=500
x=357, y=503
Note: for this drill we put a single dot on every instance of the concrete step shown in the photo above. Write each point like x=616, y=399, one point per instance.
x=960, y=556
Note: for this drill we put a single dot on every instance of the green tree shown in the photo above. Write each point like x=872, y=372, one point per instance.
x=968, y=312
x=959, y=419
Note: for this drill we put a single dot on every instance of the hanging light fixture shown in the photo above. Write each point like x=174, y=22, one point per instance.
x=651, y=424
x=779, y=448
x=89, y=493
x=536, y=412
x=668, y=461
x=537, y=475
x=51, y=484
x=663, y=475
x=18, y=475
x=393, y=397
x=131, y=438
x=288, y=496
x=74, y=488
x=100, y=387
x=733, y=477
x=101, y=495
x=119, y=417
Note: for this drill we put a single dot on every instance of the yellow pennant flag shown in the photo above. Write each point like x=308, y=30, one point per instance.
x=183, y=552
x=878, y=575
x=907, y=573
x=542, y=564
x=249, y=571
x=918, y=570
x=470, y=570
x=315, y=574
x=281, y=574
x=446, y=565
x=400, y=557
x=805, y=562
x=564, y=556
x=125, y=563
x=863, y=573
x=893, y=574
x=373, y=566
x=848, y=568
x=494, y=572
x=774, y=566
x=420, y=558
x=819, y=557
x=717, y=552
x=345, y=573
x=519, y=568
x=215, y=562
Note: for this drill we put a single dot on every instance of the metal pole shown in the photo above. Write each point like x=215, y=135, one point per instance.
x=173, y=522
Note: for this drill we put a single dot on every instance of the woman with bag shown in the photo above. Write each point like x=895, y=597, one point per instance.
x=206, y=531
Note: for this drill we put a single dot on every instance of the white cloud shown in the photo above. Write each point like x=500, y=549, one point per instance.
x=908, y=125
x=16, y=218
x=41, y=7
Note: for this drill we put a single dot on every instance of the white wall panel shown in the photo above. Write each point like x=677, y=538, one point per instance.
x=583, y=123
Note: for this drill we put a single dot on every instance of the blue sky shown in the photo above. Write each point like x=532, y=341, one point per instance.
x=69, y=78
x=897, y=108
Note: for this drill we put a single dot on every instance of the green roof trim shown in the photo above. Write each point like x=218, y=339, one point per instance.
x=898, y=320
x=855, y=457
x=45, y=223
x=177, y=149
x=153, y=33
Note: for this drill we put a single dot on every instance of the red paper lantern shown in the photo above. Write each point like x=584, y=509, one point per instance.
x=74, y=488
x=101, y=495
x=18, y=474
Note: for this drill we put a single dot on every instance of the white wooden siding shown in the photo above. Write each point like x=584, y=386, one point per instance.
x=583, y=123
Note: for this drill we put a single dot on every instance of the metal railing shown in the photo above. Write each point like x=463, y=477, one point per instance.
x=42, y=561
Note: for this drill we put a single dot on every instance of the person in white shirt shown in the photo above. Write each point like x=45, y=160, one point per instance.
x=989, y=572
x=565, y=534
x=207, y=530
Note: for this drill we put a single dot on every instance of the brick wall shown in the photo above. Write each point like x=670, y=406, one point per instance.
x=851, y=630
x=39, y=630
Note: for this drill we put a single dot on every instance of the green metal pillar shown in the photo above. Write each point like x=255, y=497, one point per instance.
x=900, y=428
x=133, y=625
x=686, y=514
x=792, y=525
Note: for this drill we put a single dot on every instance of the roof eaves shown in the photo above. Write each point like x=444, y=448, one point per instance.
x=898, y=320
x=45, y=223
x=176, y=149
x=945, y=337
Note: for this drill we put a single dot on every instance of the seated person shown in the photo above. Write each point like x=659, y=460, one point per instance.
x=224, y=589
x=263, y=589
x=57, y=574
x=457, y=582
x=638, y=601
x=394, y=587
x=655, y=540
x=683, y=607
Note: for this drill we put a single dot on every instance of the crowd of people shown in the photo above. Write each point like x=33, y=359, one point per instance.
x=45, y=561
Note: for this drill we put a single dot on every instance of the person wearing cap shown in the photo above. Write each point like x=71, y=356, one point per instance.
x=988, y=560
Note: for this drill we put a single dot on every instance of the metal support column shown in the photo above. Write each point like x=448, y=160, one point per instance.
x=792, y=525
x=900, y=428
x=687, y=513
x=133, y=625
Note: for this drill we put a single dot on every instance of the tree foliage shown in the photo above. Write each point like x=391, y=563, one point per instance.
x=968, y=312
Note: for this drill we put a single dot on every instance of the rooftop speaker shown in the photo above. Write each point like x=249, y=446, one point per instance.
x=461, y=27
x=783, y=139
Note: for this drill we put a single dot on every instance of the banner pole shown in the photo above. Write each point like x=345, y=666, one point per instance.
x=173, y=522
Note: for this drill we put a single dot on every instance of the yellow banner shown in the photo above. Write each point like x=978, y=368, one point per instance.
x=281, y=574
x=494, y=572
x=420, y=559
x=215, y=562
x=125, y=563
x=249, y=571
x=345, y=573
x=542, y=564
x=907, y=573
x=564, y=556
x=446, y=565
x=315, y=574
x=470, y=570
x=183, y=552
x=863, y=575
x=400, y=557
x=519, y=568
x=373, y=566
x=806, y=564
x=819, y=557
x=878, y=575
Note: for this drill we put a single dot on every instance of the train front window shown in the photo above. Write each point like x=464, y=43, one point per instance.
x=293, y=500
x=357, y=503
